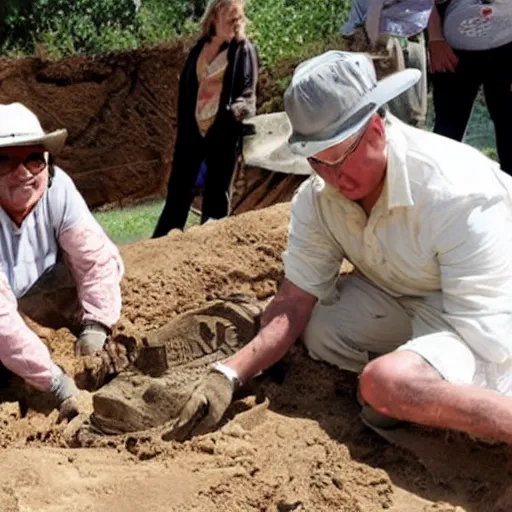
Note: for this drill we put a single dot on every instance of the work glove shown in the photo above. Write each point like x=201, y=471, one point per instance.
x=65, y=392
x=117, y=355
x=92, y=339
x=205, y=407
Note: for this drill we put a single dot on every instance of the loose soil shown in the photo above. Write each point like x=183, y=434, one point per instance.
x=294, y=442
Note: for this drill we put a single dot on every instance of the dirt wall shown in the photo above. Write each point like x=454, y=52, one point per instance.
x=119, y=109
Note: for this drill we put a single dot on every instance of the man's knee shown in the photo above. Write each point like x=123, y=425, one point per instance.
x=395, y=379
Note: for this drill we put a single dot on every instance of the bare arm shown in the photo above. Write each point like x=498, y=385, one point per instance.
x=283, y=322
x=434, y=27
x=442, y=57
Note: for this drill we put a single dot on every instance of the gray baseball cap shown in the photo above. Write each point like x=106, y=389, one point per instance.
x=332, y=96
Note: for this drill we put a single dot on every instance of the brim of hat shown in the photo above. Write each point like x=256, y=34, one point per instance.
x=386, y=89
x=53, y=142
x=268, y=147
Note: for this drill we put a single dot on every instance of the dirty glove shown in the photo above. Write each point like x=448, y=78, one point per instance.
x=65, y=391
x=206, y=405
x=91, y=339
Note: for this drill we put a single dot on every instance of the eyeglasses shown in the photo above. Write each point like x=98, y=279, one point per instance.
x=324, y=167
x=34, y=162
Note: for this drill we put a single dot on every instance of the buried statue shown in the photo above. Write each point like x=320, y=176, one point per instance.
x=143, y=381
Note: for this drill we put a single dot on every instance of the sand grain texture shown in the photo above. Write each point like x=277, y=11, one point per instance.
x=293, y=443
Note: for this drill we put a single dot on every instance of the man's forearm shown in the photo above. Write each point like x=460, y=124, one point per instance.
x=21, y=350
x=435, y=28
x=282, y=325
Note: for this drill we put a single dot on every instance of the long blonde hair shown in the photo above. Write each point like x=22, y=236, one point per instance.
x=207, y=22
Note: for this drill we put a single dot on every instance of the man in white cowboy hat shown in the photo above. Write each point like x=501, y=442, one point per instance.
x=427, y=223
x=43, y=216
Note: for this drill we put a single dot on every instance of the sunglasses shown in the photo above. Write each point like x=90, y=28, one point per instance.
x=325, y=167
x=34, y=161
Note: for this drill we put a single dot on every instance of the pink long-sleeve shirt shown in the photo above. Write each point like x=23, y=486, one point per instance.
x=60, y=221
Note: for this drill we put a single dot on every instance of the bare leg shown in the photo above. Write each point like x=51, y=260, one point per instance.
x=404, y=386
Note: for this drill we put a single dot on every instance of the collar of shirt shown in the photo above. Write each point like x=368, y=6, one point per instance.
x=397, y=177
x=12, y=226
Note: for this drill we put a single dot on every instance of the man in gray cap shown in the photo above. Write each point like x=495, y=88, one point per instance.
x=426, y=318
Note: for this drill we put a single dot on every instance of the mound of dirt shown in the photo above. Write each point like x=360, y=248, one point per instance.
x=294, y=442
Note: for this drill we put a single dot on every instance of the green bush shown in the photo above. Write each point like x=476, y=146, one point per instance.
x=283, y=28
x=58, y=28
x=161, y=20
x=65, y=27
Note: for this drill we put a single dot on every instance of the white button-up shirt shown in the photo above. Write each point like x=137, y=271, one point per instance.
x=442, y=223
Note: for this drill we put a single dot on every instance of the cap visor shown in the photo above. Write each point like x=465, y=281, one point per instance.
x=386, y=89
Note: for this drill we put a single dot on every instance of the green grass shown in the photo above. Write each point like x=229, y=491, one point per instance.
x=127, y=225
x=481, y=131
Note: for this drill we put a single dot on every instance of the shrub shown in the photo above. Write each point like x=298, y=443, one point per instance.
x=283, y=28
x=280, y=28
x=68, y=26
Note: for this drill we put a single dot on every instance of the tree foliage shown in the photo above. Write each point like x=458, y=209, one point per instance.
x=65, y=27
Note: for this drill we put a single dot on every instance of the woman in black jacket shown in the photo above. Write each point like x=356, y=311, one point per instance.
x=217, y=91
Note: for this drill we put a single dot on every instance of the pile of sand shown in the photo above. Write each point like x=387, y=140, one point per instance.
x=295, y=443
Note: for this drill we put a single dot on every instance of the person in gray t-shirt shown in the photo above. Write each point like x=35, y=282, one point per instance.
x=46, y=227
x=470, y=44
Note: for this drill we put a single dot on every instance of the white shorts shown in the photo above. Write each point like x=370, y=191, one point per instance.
x=363, y=321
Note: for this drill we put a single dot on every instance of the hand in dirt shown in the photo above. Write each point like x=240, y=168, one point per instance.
x=442, y=57
x=68, y=409
x=117, y=355
x=64, y=391
x=204, y=409
x=91, y=339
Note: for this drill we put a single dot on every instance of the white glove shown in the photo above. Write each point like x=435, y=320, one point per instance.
x=91, y=339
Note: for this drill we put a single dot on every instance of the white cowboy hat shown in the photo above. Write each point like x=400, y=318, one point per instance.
x=333, y=96
x=267, y=147
x=20, y=127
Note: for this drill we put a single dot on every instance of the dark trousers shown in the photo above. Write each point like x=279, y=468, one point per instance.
x=455, y=93
x=220, y=149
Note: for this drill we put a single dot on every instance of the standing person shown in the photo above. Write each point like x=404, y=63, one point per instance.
x=427, y=319
x=470, y=45
x=217, y=91
x=50, y=245
x=395, y=28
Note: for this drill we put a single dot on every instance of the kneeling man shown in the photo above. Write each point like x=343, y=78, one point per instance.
x=50, y=244
x=426, y=318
